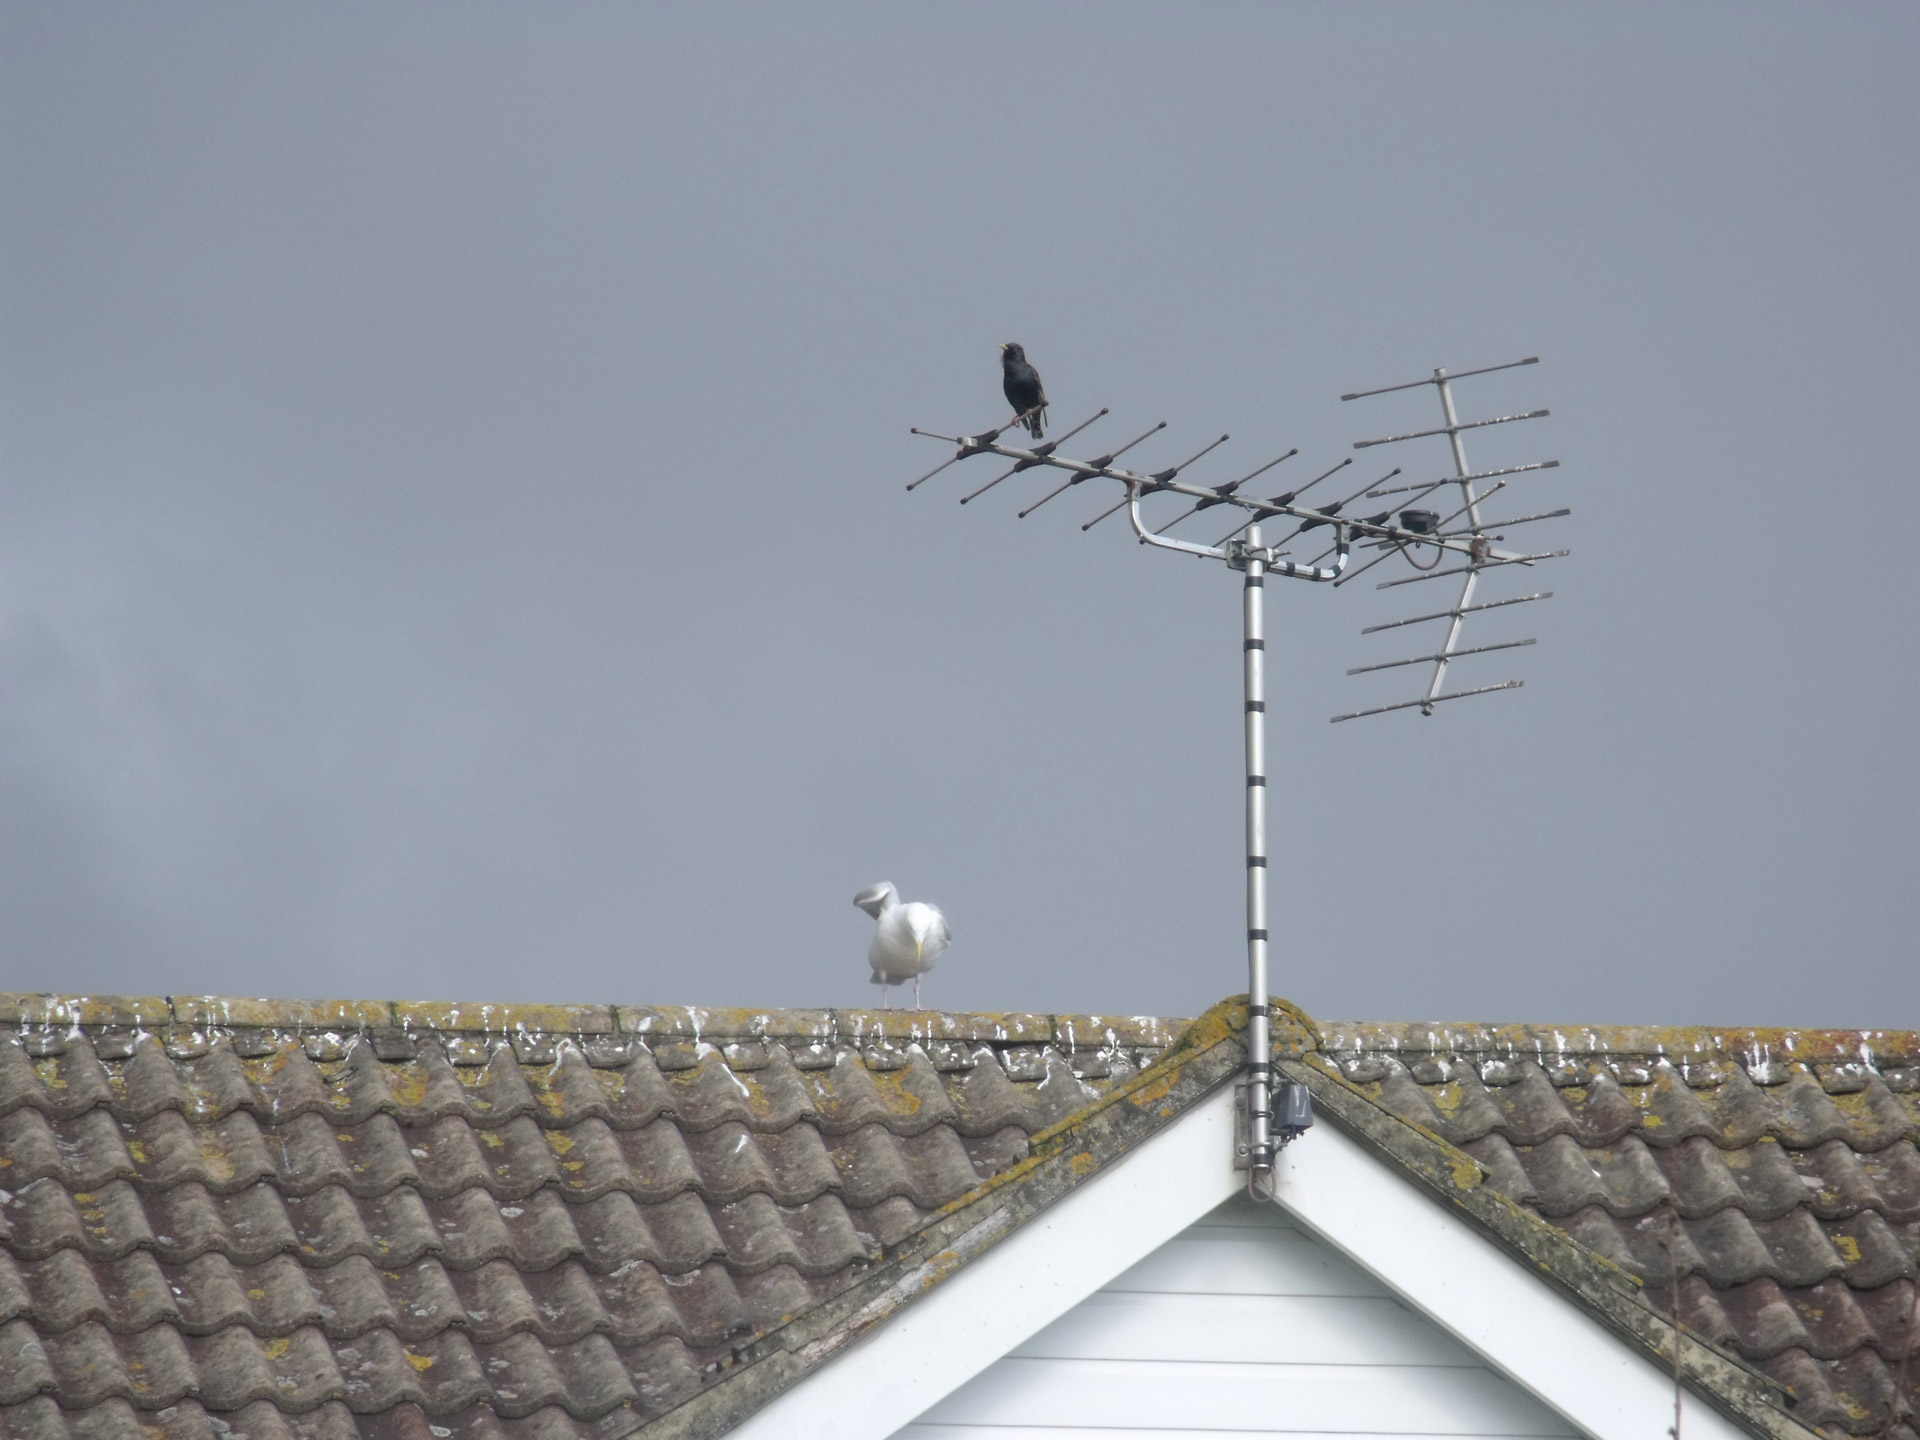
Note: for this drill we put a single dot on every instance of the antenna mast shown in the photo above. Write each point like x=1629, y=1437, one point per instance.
x=1275, y=1115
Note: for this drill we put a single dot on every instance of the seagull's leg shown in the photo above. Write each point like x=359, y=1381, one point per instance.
x=916, y=992
x=883, y=995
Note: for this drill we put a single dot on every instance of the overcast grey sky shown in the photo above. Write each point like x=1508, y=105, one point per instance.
x=453, y=539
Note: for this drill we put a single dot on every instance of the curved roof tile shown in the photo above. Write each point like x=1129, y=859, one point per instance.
x=311, y=1220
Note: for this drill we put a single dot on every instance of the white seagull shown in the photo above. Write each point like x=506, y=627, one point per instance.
x=907, y=941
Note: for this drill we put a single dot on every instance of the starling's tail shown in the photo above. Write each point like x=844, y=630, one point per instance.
x=1034, y=417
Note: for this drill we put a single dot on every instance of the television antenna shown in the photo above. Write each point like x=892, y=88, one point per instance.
x=1424, y=538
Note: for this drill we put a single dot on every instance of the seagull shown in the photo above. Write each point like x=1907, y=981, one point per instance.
x=1021, y=382
x=907, y=941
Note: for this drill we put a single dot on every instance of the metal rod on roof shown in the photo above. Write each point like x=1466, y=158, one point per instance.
x=1434, y=700
x=1325, y=515
x=1253, y=650
x=1274, y=1115
x=1480, y=475
x=1440, y=375
x=1041, y=451
x=1472, y=510
x=1449, y=614
x=1452, y=427
x=1508, y=524
x=1038, y=457
x=1424, y=659
x=1094, y=467
x=1484, y=565
x=1223, y=494
x=1262, y=510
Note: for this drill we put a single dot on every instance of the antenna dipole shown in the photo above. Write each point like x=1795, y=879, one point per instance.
x=1275, y=1115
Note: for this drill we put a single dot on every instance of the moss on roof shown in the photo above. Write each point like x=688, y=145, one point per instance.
x=800, y=1175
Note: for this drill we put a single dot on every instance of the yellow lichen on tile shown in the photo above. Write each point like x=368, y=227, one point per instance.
x=1154, y=1090
x=407, y=1083
x=893, y=1090
x=219, y=1164
x=262, y=1070
x=276, y=1348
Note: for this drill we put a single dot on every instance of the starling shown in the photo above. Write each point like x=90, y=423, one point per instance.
x=1024, y=391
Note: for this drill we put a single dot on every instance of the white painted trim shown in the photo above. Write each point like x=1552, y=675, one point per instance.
x=1464, y=1282
x=1027, y=1281
x=1422, y=1251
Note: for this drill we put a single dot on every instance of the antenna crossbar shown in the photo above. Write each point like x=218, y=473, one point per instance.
x=1497, y=560
x=1444, y=655
x=1450, y=429
x=1440, y=375
x=1450, y=614
x=1425, y=704
x=1509, y=524
x=1465, y=524
x=1477, y=475
x=1139, y=484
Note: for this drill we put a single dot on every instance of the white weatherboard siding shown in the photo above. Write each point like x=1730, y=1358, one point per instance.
x=1038, y=1273
x=1241, y=1324
x=1441, y=1266
x=1059, y=1326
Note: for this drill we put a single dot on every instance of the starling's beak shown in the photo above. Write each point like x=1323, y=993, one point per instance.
x=1003, y=347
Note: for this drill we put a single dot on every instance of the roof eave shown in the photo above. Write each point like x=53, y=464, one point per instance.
x=1063, y=1158
x=1613, y=1296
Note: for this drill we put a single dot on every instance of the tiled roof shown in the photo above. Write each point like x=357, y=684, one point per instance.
x=265, y=1219
x=1780, y=1167
x=283, y=1219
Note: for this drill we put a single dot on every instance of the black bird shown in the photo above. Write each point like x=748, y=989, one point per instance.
x=1023, y=388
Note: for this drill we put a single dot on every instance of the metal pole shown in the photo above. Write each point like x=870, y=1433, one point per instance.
x=1472, y=508
x=1259, y=1038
